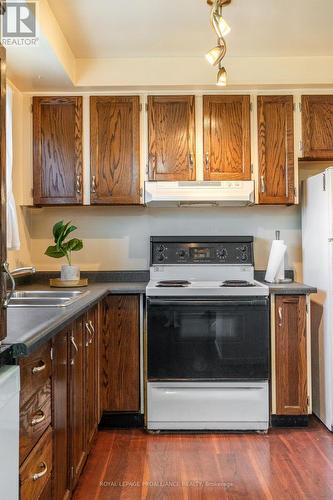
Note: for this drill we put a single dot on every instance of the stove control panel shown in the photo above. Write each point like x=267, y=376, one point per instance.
x=202, y=252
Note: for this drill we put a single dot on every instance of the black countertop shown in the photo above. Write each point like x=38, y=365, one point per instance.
x=28, y=328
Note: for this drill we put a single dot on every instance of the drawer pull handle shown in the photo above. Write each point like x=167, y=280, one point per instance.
x=76, y=350
x=38, y=418
x=280, y=316
x=90, y=334
x=40, y=368
x=93, y=331
x=42, y=473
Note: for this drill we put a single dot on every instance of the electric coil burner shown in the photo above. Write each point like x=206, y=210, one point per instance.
x=207, y=336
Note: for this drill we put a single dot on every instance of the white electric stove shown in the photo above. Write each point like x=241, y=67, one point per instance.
x=207, y=336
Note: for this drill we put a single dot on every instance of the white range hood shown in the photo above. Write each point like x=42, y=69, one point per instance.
x=199, y=193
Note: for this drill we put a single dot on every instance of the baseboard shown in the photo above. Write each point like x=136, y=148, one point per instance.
x=290, y=420
x=121, y=420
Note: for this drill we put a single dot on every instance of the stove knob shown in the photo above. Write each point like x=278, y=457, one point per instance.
x=244, y=257
x=161, y=248
x=222, y=253
x=181, y=253
x=160, y=257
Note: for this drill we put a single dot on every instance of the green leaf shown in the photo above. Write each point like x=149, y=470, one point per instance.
x=73, y=245
x=68, y=231
x=61, y=238
x=57, y=229
x=52, y=251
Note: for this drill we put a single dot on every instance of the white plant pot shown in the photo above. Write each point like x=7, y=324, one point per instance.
x=70, y=273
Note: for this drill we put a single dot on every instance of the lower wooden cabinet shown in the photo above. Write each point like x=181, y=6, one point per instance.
x=60, y=394
x=120, y=354
x=291, y=367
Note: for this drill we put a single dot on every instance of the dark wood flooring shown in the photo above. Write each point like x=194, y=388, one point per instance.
x=284, y=464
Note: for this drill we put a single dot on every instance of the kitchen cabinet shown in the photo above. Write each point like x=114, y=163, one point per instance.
x=91, y=374
x=276, y=150
x=290, y=347
x=57, y=150
x=227, y=139
x=171, y=138
x=61, y=425
x=115, y=150
x=35, y=423
x=317, y=127
x=120, y=354
x=77, y=403
x=3, y=238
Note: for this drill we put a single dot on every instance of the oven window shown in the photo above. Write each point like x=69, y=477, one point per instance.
x=201, y=341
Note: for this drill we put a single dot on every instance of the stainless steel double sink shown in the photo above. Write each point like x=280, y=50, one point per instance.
x=45, y=298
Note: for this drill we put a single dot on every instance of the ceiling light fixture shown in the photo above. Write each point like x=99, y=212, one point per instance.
x=221, y=28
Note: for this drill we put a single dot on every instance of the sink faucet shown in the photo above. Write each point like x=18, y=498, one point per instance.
x=16, y=272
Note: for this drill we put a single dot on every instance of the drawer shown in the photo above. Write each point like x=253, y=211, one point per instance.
x=35, y=473
x=35, y=417
x=35, y=371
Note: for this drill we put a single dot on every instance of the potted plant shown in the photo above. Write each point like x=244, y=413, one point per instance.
x=64, y=248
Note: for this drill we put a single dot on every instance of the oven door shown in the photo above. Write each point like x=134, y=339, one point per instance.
x=200, y=339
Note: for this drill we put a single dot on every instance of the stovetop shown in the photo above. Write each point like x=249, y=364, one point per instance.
x=205, y=288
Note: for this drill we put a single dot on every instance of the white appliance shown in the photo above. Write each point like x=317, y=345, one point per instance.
x=9, y=432
x=207, y=336
x=317, y=243
x=199, y=193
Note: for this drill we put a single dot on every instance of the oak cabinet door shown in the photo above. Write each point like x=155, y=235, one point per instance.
x=317, y=127
x=60, y=424
x=291, y=355
x=276, y=150
x=227, y=139
x=3, y=233
x=115, y=150
x=57, y=149
x=171, y=131
x=91, y=374
x=77, y=407
x=120, y=354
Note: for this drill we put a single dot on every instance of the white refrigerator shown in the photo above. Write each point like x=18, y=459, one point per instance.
x=317, y=243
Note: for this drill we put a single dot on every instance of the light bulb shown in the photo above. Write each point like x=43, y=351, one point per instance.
x=215, y=55
x=220, y=25
x=222, y=77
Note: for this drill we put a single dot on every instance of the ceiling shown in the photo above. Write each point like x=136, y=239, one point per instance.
x=176, y=28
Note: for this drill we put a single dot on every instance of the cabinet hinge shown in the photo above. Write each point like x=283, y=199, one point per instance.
x=140, y=107
x=300, y=106
x=251, y=106
x=147, y=169
x=146, y=107
x=308, y=401
x=294, y=107
x=51, y=353
x=324, y=182
x=141, y=192
x=72, y=472
x=300, y=145
x=295, y=192
x=251, y=168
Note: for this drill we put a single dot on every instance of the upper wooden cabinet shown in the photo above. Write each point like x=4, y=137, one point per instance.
x=227, y=139
x=317, y=127
x=171, y=131
x=57, y=150
x=291, y=355
x=276, y=150
x=115, y=150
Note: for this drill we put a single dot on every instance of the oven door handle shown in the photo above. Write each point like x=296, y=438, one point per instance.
x=220, y=303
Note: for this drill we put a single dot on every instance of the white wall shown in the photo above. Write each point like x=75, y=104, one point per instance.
x=118, y=238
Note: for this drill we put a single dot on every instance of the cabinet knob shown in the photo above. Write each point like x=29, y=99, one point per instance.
x=76, y=350
x=263, y=184
x=207, y=161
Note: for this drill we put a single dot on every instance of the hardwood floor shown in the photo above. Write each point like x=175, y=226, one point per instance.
x=285, y=464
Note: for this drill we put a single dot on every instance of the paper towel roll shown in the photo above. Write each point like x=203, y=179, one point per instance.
x=276, y=260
